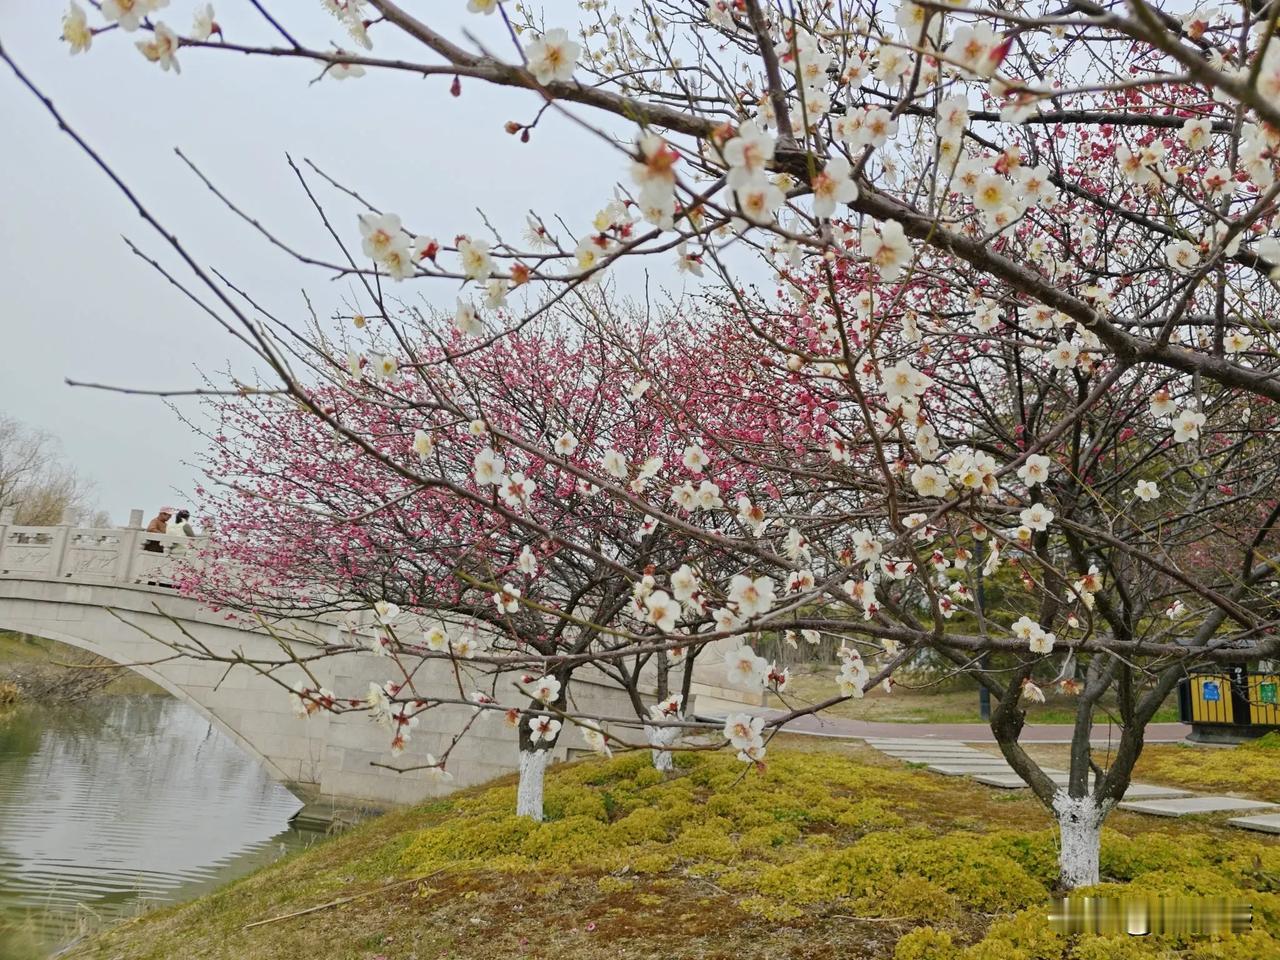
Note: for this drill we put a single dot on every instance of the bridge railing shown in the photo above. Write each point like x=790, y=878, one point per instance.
x=129, y=557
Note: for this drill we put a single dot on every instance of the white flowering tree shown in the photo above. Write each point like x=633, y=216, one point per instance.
x=1027, y=257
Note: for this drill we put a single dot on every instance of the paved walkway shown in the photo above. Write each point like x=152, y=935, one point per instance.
x=952, y=758
x=942, y=747
x=825, y=726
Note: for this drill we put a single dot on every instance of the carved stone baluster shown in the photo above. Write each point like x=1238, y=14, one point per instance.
x=130, y=543
x=6, y=521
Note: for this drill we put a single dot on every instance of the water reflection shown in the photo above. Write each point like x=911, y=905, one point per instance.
x=120, y=804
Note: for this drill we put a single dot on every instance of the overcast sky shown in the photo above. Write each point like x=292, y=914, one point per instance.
x=76, y=303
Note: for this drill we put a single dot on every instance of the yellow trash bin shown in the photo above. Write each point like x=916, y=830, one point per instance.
x=1211, y=699
x=1264, y=694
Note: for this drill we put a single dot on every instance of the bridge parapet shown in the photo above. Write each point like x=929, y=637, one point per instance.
x=105, y=555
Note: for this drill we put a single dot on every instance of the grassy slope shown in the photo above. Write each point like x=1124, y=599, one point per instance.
x=18, y=651
x=834, y=852
x=1249, y=770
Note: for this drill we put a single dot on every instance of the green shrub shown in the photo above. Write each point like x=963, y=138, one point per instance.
x=925, y=943
x=1024, y=936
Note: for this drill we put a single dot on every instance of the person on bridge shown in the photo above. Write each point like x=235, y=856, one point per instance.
x=180, y=525
x=159, y=524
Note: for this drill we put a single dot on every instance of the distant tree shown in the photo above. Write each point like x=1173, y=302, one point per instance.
x=37, y=481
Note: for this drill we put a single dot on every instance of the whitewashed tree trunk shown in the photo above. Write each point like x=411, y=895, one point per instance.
x=1080, y=825
x=660, y=737
x=533, y=771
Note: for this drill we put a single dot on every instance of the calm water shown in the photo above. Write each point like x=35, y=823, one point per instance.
x=119, y=805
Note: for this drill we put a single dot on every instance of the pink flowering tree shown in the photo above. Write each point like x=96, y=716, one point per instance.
x=978, y=274
x=471, y=493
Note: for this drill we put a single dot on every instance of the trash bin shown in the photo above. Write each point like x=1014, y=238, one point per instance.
x=1230, y=704
x=1264, y=694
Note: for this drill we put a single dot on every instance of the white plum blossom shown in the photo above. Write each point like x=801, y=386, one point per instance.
x=1162, y=405
x=485, y=7
x=488, y=467
x=466, y=320
x=75, y=29
x=507, y=599
x=1034, y=470
x=595, y=738
x=467, y=645
x=661, y=610
x=1064, y=355
x=759, y=200
x=552, y=57
x=204, y=25
x=833, y=186
x=527, y=563
x=977, y=49
x=747, y=155
x=422, y=443
x=685, y=583
x=129, y=14
x=1182, y=255
x=866, y=548
x=695, y=458
x=543, y=729
x=745, y=668
x=544, y=689
x=477, y=264
x=853, y=676
x=929, y=481
x=751, y=597
x=1196, y=133
x=436, y=640
x=380, y=233
x=1186, y=425
x=615, y=464
x=707, y=496
x=1237, y=342
x=903, y=382
x=162, y=48
x=796, y=545
x=516, y=490
x=1038, y=640
x=1032, y=692
x=687, y=262
x=889, y=251
x=565, y=444
x=386, y=611
x=744, y=733
x=342, y=70
x=742, y=730
x=1146, y=490
x=1036, y=517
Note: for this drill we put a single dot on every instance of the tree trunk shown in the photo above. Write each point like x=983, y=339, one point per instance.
x=533, y=771
x=1080, y=823
x=659, y=738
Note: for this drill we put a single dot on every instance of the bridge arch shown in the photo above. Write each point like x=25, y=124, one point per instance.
x=104, y=591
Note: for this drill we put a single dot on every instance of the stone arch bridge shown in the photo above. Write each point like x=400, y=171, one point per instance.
x=100, y=590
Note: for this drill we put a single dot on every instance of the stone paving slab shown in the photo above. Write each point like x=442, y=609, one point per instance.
x=949, y=761
x=885, y=744
x=1152, y=791
x=924, y=748
x=966, y=770
x=1011, y=781
x=1188, y=805
x=1136, y=791
x=930, y=752
x=1267, y=823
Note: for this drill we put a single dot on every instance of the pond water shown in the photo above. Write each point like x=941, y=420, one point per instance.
x=121, y=804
